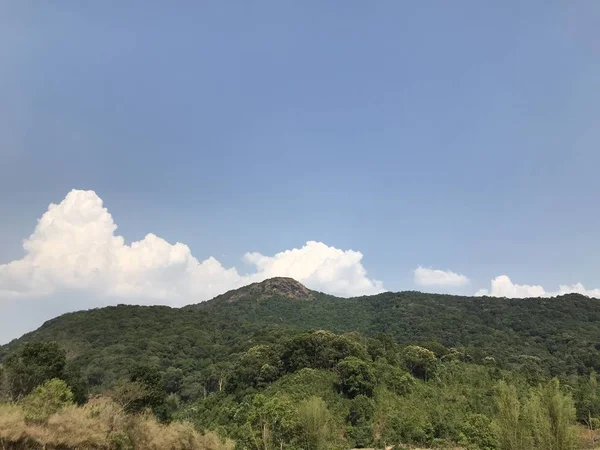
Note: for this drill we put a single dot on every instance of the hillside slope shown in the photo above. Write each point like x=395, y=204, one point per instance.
x=558, y=335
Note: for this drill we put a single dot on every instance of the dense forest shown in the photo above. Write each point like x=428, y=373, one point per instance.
x=276, y=366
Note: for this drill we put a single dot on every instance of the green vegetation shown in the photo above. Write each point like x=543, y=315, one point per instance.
x=257, y=366
x=46, y=399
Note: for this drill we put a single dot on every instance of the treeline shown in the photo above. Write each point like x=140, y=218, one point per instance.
x=191, y=346
x=477, y=373
x=310, y=391
x=320, y=390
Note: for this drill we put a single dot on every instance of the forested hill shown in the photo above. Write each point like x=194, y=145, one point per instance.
x=554, y=335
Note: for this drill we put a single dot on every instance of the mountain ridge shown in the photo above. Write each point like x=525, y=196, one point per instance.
x=562, y=332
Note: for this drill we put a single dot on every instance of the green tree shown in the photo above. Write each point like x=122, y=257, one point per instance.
x=438, y=349
x=33, y=364
x=383, y=346
x=193, y=387
x=173, y=380
x=272, y=422
x=531, y=368
x=510, y=423
x=46, y=399
x=356, y=377
x=588, y=398
x=360, y=421
x=395, y=378
x=319, y=350
x=479, y=433
x=315, y=423
x=217, y=375
x=420, y=361
x=255, y=368
x=76, y=382
x=551, y=415
x=5, y=393
x=152, y=394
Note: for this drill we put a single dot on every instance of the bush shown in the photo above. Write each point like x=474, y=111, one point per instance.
x=47, y=399
x=478, y=433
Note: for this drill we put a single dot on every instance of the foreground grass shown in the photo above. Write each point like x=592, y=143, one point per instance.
x=100, y=424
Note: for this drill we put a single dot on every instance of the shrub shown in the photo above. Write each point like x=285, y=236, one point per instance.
x=47, y=399
x=478, y=433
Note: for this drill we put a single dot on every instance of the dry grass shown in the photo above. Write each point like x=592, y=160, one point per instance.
x=100, y=425
x=588, y=439
x=12, y=423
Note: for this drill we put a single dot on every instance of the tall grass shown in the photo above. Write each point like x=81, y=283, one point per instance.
x=545, y=420
x=100, y=424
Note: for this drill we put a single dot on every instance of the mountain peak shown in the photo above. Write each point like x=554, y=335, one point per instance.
x=272, y=287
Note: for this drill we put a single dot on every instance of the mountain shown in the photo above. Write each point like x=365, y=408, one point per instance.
x=560, y=335
x=273, y=287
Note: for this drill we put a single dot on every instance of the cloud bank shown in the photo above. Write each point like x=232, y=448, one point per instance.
x=428, y=277
x=74, y=247
x=74, y=260
x=502, y=286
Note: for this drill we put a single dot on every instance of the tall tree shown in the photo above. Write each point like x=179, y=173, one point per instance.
x=551, y=414
x=315, y=421
x=33, y=364
x=154, y=396
x=420, y=361
x=356, y=377
x=272, y=422
x=511, y=427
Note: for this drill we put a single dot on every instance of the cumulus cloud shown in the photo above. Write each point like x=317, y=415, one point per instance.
x=318, y=266
x=502, y=286
x=424, y=276
x=74, y=248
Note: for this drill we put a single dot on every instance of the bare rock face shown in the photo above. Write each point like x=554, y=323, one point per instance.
x=273, y=287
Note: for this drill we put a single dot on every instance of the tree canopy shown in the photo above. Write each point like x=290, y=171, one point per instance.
x=316, y=371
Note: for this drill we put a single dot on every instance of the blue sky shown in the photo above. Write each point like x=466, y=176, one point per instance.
x=460, y=136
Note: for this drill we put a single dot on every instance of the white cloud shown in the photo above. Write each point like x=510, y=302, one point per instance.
x=424, y=276
x=318, y=266
x=502, y=286
x=74, y=247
